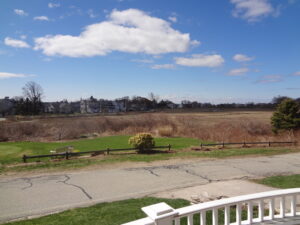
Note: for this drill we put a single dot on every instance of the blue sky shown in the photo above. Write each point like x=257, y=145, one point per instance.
x=207, y=50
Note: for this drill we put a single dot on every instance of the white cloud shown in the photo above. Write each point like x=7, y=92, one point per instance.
x=173, y=19
x=15, y=43
x=163, y=66
x=297, y=73
x=143, y=60
x=242, y=58
x=252, y=10
x=238, y=72
x=131, y=31
x=42, y=18
x=20, y=12
x=4, y=75
x=53, y=5
x=201, y=60
x=270, y=79
x=23, y=37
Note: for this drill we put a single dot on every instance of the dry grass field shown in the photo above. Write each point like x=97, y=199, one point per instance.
x=213, y=126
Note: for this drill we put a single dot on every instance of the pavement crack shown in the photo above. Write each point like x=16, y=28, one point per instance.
x=198, y=175
x=150, y=170
x=29, y=182
x=74, y=185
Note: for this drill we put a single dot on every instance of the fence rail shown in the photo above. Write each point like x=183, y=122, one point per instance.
x=269, y=143
x=266, y=203
x=69, y=154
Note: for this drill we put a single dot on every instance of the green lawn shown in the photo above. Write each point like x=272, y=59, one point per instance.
x=11, y=152
x=116, y=213
x=291, y=181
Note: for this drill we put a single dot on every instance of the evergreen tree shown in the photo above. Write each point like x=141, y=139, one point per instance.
x=286, y=116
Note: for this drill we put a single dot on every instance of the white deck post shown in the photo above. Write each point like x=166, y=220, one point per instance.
x=161, y=213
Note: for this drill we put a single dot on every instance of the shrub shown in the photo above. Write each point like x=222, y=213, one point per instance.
x=142, y=141
x=286, y=116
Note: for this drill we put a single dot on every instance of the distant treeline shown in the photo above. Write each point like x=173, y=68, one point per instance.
x=27, y=106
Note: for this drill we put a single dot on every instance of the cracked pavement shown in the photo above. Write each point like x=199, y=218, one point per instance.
x=23, y=197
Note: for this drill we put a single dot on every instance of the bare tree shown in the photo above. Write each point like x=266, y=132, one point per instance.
x=33, y=91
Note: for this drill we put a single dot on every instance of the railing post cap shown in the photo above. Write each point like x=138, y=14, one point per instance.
x=157, y=210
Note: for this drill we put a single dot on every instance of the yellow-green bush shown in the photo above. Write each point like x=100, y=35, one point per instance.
x=142, y=141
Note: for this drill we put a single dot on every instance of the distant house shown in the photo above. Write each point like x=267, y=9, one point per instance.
x=6, y=106
x=90, y=105
x=65, y=107
x=51, y=107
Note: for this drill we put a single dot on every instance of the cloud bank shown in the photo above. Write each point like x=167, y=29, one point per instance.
x=131, y=31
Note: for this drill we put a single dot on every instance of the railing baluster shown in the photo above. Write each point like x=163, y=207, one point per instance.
x=238, y=214
x=250, y=212
x=282, y=206
x=293, y=205
x=190, y=219
x=261, y=210
x=215, y=216
x=271, y=209
x=227, y=215
x=203, y=218
x=177, y=221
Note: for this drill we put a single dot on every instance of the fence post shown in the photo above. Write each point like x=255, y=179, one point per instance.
x=201, y=146
x=269, y=144
x=244, y=144
x=107, y=151
x=24, y=158
x=169, y=147
x=223, y=145
x=67, y=155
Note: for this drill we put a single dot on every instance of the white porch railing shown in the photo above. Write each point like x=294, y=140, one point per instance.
x=272, y=206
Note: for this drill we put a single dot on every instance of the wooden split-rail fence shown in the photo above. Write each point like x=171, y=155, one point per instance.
x=244, y=144
x=68, y=154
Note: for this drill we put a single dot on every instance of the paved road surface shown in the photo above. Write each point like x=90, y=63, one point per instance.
x=35, y=195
